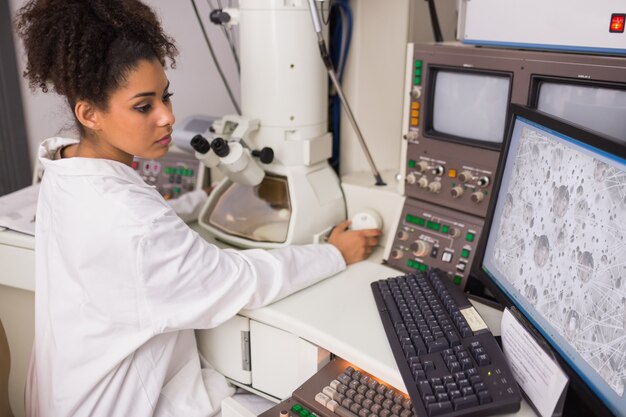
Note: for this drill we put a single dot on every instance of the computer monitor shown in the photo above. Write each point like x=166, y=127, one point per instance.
x=468, y=105
x=598, y=106
x=553, y=246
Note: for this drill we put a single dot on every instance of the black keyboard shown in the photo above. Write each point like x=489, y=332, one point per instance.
x=449, y=361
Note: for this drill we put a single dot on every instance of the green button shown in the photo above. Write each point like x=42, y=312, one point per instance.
x=465, y=253
x=469, y=237
x=418, y=63
x=176, y=190
x=433, y=225
x=417, y=80
x=296, y=408
x=411, y=163
x=420, y=221
x=423, y=267
x=304, y=413
x=445, y=228
x=418, y=72
x=457, y=279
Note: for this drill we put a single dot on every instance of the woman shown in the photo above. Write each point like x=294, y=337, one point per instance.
x=121, y=280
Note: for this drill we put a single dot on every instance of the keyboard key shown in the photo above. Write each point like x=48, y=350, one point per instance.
x=462, y=403
x=437, y=409
x=484, y=397
x=322, y=398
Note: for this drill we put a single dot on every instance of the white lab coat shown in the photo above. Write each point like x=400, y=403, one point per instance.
x=122, y=281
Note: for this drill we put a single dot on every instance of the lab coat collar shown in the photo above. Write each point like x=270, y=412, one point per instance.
x=83, y=166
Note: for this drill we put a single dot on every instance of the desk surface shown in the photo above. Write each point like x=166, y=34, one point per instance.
x=338, y=314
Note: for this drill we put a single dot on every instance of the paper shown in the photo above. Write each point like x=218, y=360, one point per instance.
x=535, y=371
x=18, y=209
x=473, y=319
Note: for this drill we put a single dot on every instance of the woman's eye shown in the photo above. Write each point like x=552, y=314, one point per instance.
x=167, y=96
x=143, y=109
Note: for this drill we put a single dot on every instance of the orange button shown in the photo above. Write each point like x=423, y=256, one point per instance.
x=414, y=121
x=415, y=105
x=452, y=173
x=415, y=113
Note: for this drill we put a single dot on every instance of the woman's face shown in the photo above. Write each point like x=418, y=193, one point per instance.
x=139, y=118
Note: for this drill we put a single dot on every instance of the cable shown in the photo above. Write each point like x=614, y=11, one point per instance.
x=230, y=36
x=435, y=21
x=217, y=65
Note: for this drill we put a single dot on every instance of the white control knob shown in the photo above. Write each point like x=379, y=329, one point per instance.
x=366, y=219
x=465, y=176
x=422, y=182
x=457, y=191
x=422, y=166
x=397, y=254
x=434, y=187
x=411, y=135
x=421, y=248
x=477, y=196
x=411, y=178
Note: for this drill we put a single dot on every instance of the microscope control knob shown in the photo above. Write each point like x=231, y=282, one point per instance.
x=423, y=182
x=457, y=191
x=402, y=235
x=422, y=166
x=421, y=248
x=465, y=176
x=454, y=232
x=411, y=178
x=483, y=181
x=397, y=254
x=434, y=187
x=477, y=197
x=265, y=155
x=439, y=170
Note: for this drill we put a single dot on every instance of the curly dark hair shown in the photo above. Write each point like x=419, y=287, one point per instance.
x=84, y=49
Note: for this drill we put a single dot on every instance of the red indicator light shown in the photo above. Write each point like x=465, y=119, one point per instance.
x=617, y=23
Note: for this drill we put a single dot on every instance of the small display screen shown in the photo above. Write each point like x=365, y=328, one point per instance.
x=599, y=108
x=470, y=105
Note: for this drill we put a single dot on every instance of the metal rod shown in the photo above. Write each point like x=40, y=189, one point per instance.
x=333, y=77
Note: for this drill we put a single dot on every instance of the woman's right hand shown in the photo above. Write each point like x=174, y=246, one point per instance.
x=354, y=245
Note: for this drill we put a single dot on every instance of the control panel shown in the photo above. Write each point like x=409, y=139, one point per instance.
x=429, y=236
x=173, y=175
x=452, y=175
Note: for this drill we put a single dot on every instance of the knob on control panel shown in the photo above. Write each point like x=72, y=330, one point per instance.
x=397, y=254
x=422, y=166
x=411, y=178
x=402, y=235
x=434, y=187
x=457, y=191
x=483, y=181
x=477, y=196
x=465, y=176
x=438, y=170
x=420, y=248
x=423, y=182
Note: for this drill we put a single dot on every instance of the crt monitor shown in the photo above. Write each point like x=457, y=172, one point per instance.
x=594, y=105
x=553, y=246
x=468, y=105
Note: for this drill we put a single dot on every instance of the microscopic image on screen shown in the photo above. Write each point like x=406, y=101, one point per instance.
x=560, y=242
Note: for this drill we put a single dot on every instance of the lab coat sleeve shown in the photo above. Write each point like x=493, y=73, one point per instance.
x=188, y=205
x=185, y=282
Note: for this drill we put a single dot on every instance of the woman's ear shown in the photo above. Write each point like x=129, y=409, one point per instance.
x=87, y=114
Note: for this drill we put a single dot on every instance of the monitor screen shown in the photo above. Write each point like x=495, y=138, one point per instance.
x=470, y=105
x=556, y=243
x=600, y=108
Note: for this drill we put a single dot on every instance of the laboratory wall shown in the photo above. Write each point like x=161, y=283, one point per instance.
x=195, y=82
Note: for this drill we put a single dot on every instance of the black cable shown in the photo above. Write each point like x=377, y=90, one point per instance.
x=435, y=21
x=228, y=35
x=330, y=7
x=217, y=64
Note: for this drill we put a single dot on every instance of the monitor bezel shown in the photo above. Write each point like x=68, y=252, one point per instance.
x=429, y=130
x=537, y=79
x=595, y=139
